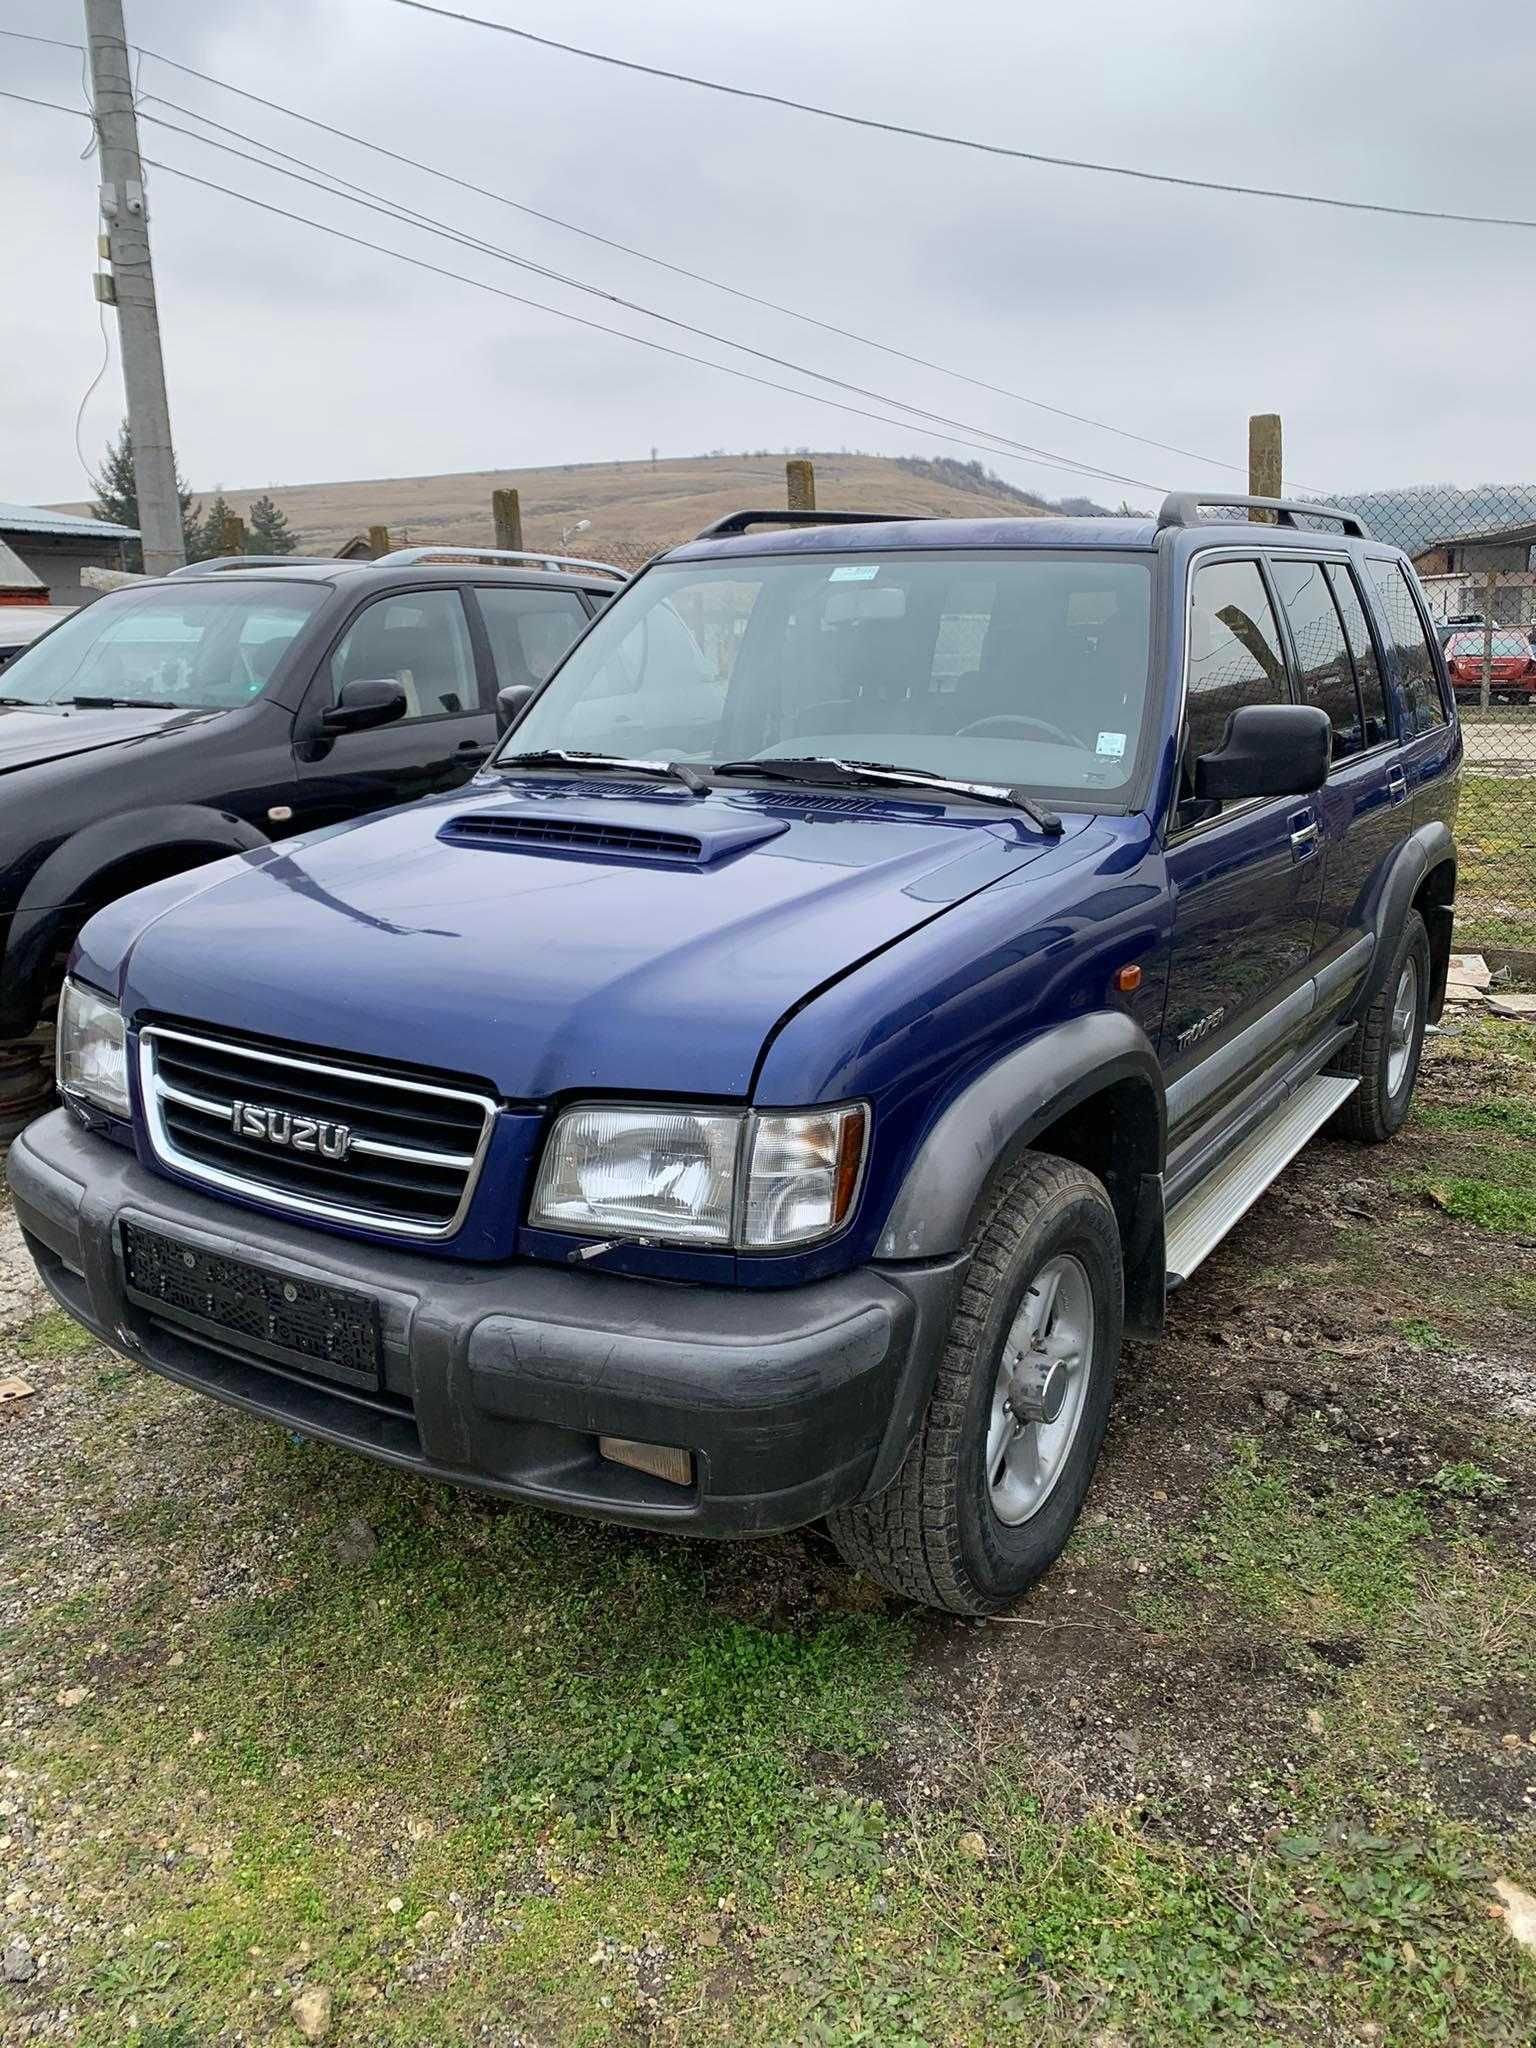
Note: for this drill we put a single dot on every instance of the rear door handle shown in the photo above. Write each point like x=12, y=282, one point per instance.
x=1397, y=785
x=1304, y=831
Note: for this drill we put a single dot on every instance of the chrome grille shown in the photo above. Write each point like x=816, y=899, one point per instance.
x=385, y=1152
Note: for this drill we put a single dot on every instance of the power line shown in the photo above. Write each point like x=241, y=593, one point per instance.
x=662, y=263
x=1028, y=156
x=396, y=210
x=599, y=326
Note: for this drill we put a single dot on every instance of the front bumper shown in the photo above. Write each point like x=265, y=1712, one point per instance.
x=793, y=1401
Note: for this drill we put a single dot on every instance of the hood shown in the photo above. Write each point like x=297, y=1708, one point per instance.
x=638, y=942
x=28, y=738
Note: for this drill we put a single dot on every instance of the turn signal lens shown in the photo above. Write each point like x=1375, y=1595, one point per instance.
x=803, y=1175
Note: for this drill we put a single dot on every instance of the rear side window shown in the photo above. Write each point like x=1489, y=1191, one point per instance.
x=1324, y=671
x=1234, y=652
x=1373, y=690
x=1415, y=658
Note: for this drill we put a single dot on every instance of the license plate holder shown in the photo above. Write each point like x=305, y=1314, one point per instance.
x=307, y=1326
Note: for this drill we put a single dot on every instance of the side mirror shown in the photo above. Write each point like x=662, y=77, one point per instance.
x=365, y=703
x=1268, y=750
x=511, y=703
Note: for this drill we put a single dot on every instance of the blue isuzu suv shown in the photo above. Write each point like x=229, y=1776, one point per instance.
x=879, y=964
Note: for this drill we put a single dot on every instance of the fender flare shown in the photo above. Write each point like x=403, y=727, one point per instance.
x=1429, y=846
x=51, y=899
x=997, y=1116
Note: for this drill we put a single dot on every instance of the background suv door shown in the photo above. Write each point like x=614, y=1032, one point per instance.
x=422, y=640
x=1246, y=877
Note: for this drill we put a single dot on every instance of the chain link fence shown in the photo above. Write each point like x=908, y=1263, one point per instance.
x=1475, y=552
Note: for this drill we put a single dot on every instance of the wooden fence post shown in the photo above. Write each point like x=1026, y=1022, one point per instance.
x=232, y=538
x=507, y=512
x=1264, y=467
x=800, y=477
x=378, y=540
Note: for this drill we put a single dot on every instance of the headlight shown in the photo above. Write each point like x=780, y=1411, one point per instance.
x=715, y=1178
x=92, y=1050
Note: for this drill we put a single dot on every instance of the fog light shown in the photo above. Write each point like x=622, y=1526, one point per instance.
x=663, y=1461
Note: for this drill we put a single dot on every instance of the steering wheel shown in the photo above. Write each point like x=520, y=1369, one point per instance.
x=1006, y=723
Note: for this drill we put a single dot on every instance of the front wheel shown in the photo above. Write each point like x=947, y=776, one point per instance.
x=1002, y=1459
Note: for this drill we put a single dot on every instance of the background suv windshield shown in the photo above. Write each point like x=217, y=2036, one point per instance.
x=987, y=667
x=203, y=647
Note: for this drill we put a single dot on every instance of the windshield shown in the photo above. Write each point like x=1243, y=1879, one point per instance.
x=190, y=647
x=1467, y=646
x=1021, y=669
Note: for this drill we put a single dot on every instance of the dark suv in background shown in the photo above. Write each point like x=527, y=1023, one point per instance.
x=207, y=713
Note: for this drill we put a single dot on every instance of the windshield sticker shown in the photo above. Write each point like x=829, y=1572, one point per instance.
x=1111, y=743
x=855, y=572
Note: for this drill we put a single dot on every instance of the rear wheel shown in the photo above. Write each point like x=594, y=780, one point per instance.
x=1386, y=1051
x=1002, y=1459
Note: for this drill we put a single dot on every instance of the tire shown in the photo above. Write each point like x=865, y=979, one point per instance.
x=942, y=1532
x=1386, y=1061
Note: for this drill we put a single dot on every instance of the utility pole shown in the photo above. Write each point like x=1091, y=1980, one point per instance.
x=125, y=211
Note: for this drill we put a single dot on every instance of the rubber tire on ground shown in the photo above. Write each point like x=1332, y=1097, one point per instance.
x=932, y=1535
x=1373, y=1113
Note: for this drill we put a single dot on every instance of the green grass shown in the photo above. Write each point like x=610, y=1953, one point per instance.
x=1515, y=1117
x=1272, y=1551
x=1496, y=844
x=53, y=1334
x=1486, y=1204
x=1424, y=1336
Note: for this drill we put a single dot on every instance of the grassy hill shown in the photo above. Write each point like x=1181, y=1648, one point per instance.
x=635, y=507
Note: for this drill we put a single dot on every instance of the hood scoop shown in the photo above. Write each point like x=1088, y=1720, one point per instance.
x=613, y=832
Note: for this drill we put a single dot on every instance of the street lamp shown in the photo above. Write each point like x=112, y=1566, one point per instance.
x=581, y=526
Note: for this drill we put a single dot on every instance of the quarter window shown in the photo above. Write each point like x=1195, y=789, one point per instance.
x=1416, y=669
x=1234, y=653
x=421, y=640
x=1324, y=671
x=1373, y=689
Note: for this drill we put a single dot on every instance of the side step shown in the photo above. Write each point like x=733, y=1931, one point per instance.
x=1209, y=1211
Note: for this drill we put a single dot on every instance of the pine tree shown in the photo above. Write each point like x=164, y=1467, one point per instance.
x=210, y=533
x=269, y=530
x=117, y=498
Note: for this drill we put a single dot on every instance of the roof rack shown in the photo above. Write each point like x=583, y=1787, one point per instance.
x=401, y=558
x=738, y=522
x=216, y=565
x=1182, y=508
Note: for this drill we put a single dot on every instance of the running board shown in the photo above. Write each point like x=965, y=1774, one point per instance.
x=1209, y=1211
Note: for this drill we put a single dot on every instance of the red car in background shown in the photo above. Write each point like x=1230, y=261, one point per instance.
x=1512, y=671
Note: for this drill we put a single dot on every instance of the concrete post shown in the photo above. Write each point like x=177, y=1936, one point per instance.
x=378, y=540
x=507, y=512
x=800, y=477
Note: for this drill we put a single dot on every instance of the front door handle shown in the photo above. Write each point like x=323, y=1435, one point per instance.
x=1397, y=785
x=1304, y=831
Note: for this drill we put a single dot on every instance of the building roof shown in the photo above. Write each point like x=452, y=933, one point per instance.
x=64, y=525
x=1496, y=536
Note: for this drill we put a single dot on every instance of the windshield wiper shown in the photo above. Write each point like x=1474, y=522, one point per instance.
x=826, y=768
x=576, y=757
x=121, y=704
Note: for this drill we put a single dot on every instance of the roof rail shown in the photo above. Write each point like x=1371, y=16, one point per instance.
x=401, y=558
x=1182, y=508
x=738, y=522
x=216, y=565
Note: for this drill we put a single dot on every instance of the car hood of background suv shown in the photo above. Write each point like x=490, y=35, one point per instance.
x=441, y=936
x=30, y=738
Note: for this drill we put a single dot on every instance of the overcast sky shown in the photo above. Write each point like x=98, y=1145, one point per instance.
x=1397, y=351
